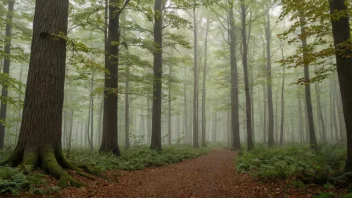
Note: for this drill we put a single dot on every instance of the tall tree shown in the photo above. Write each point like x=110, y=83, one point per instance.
x=235, y=123
x=204, y=122
x=39, y=142
x=195, y=82
x=245, y=71
x=6, y=69
x=110, y=134
x=158, y=65
x=269, y=79
x=342, y=39
x=312, y=138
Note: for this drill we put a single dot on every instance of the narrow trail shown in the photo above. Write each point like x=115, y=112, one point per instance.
x=212, y=176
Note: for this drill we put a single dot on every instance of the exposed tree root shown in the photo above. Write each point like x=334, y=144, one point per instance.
x=52, y=161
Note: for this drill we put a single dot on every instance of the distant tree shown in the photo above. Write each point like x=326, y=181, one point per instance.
x=6, y=69
x=195, y=82
x=342, y=39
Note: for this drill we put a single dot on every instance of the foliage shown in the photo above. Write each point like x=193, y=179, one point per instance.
x=16, y=180
x=136, y=158
x=296, y=162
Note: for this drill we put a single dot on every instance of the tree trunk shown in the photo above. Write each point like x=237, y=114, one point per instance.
x=41, y=129
x=195, y=88
x=320, y=113
x=245, y=71
x=127, y=109
x=312, y=138
x=269, y=81
x=158, y=63
x=283, y=98
x=6, y=69
x=169, y=108
x=204, y=122
x=149, y=121
x=235, y=123
x=185, y=124
x=341, y=33
x=110, y=118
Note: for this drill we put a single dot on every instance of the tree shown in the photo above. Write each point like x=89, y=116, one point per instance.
x=110, y=134
x=204, y=88
x=39, y=142
x=195, y=82
x=157, y=80
x=312, y=138
x=342, y=39
x=6, y=69
x=245, y=71
x=235, y=123
x=269, y=80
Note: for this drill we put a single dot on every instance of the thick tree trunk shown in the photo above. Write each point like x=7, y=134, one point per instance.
x=158, y=63
x=342, y=33
x=269, y=81
x=6, y=68
x=195, y=88
x=204, y=122
x=41, y=129
x=235, y=123
x=245, y=71
x=312, y=138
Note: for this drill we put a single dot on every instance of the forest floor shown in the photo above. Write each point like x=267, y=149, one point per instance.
x=211, y=175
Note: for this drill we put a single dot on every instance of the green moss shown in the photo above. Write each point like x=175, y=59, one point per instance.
x=31, y=156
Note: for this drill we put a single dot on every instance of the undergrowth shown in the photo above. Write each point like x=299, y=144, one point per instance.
x=293, y=162
x=16, y=180
x=136, y=158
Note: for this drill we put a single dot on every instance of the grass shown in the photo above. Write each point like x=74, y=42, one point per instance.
x=293, y=162
x=17, y=180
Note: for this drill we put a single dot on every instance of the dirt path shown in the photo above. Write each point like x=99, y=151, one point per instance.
x=210, y=176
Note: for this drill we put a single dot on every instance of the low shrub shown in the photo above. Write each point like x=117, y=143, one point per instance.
x=297, y=162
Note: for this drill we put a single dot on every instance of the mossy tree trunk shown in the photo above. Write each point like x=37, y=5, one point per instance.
x=39, y=142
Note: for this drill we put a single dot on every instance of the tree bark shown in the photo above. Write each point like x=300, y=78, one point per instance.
x=245, y=71
x=127, y=109
x=158, y=63
x=110, y=117
x=195, y=88
x=41, y=129
x=6, y=68
x=204, y=122
x=269, y=81
x=169, y=109
x=341, y=33
x=312, y=138
x=235, y=123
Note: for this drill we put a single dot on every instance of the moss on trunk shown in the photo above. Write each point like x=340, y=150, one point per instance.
x=51, y=160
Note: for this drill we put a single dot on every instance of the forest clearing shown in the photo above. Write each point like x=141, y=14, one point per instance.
x=176, y=98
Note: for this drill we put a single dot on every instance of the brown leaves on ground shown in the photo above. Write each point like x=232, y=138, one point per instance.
x=212, y=176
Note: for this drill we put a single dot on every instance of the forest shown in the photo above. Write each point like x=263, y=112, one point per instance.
x=176, y=98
